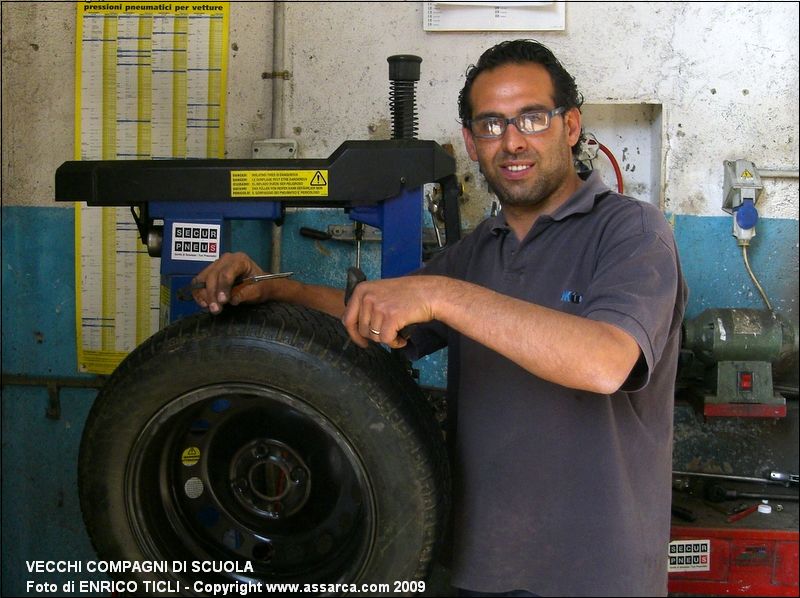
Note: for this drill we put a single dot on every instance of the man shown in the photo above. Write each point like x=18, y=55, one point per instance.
x=564, y=313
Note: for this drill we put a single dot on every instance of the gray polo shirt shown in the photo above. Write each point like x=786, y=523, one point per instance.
x=561, y=491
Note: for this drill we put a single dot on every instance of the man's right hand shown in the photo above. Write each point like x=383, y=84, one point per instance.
x=218, y=278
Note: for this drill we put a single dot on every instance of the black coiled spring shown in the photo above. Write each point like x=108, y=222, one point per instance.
x=403, y=77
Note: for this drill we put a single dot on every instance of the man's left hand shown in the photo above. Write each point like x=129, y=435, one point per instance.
x=378, y=310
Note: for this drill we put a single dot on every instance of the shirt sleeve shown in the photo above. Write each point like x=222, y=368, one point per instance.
x=637, y=287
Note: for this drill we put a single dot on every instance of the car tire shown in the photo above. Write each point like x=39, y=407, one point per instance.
x=262, y=446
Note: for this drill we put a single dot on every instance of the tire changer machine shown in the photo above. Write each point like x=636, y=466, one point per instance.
x=378, y=183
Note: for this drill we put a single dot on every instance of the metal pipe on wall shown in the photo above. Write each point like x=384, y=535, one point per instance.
x=54, y=384
x=278, y=42
x=778, y=174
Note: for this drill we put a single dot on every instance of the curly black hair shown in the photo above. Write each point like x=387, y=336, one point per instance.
x=521, y=51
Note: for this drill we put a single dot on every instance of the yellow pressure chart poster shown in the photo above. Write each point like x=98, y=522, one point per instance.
x=150, y=85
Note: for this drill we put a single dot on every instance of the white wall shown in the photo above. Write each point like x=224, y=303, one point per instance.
x=39, y=91
x=37, y=119
x=724, y=74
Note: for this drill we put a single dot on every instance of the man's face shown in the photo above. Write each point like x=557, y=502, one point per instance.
x=523, y=170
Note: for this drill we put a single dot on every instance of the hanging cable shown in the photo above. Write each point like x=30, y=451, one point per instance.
x=753, y=277
x=617, y=171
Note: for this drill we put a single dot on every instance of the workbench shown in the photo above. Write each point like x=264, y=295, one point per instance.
x=754, y=556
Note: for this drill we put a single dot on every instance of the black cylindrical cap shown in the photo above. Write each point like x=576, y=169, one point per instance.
x=404, y=67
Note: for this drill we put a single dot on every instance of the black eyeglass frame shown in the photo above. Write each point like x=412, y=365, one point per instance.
x=515, y=120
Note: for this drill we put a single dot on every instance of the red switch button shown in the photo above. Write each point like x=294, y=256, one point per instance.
x=745, y=380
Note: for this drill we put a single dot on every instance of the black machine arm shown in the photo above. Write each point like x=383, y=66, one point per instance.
x=358, y=173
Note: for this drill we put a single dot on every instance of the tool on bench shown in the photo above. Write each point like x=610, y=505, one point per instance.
x=731, y=352
x=717, y=493
x=784, y=478
x=770, y=477
x=727, y=511
x=742, y=514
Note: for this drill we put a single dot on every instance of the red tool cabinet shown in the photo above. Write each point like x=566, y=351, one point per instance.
x=756, y=556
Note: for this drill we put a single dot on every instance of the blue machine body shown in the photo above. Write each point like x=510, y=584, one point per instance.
x=399, y=219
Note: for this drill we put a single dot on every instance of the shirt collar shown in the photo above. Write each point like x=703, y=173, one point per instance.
x=584, y=198
x=580, y=202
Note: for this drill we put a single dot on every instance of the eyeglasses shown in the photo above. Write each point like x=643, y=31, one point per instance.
x=527, y=123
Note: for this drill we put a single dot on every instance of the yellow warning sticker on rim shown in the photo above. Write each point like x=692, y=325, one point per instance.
x=279, y=183
x=190, y=456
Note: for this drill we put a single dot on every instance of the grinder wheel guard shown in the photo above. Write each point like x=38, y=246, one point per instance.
x=264, y=439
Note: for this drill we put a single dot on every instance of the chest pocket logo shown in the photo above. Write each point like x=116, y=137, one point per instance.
x=571, y=297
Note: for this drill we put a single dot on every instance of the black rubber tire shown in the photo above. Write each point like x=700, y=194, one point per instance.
x=319, y=462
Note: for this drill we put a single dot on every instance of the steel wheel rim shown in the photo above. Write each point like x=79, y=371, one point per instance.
x=306, y=513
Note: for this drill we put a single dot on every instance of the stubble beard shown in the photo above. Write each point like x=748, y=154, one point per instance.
x=532, y=194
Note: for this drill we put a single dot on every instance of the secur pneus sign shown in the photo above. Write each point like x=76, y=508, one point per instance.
x=195, y=242
x=279, y=183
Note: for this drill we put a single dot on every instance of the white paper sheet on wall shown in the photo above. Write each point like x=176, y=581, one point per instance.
x=494, y=16
x=150, y=84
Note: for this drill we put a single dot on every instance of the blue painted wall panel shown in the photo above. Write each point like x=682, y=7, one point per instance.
x=38, y=281
x=41, y=516
x=714, y=268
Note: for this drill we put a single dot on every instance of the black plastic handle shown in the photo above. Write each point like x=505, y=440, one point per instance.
x=313, y=233
x=354, y=277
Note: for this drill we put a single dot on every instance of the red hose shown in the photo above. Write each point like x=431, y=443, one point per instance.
x=614, y=163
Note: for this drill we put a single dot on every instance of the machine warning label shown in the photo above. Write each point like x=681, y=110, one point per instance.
x=279, y=183
x=195, y=242
x=689, y=555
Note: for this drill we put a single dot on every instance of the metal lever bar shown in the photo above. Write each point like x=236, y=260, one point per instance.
x=247, y=280
x=720, y=494
x=185, y=293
